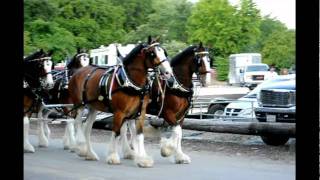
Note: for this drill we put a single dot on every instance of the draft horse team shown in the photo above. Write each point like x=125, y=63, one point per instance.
x=143, y=82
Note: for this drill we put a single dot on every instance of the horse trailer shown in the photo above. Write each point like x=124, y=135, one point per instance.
x=237, y=63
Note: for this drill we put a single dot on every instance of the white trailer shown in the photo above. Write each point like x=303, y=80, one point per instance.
x=107, y=55
x=237, y=62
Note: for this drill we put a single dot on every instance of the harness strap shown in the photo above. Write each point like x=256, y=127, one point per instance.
x=36, y=99
x=84, y=95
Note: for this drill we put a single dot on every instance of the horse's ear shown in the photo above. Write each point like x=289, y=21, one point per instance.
x=50, y=52
x=157, y=39
x=41, y=50
x=78, y=50
x=149, y=39
x=200, y=44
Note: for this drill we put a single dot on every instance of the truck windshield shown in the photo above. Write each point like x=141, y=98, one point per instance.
x=257, y=68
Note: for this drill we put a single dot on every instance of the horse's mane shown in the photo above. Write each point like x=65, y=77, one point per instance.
x=126, y=60
x=71, y=62
x=176, y=59
x=33, y=56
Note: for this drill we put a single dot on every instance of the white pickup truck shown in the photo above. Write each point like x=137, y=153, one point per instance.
x=254, y=74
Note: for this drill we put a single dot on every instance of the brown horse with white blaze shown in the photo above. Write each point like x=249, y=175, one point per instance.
x=122, y=90
x=176, y=102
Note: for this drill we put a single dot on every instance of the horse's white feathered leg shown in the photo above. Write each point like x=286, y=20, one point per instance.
x=43, y=140
x=127, y=152
x=26, y=144
x=112, y=155
x=91, y=155
x=180, y=157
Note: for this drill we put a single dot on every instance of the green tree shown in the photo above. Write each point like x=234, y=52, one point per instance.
x=279, y=49
x=267, y=27
x=174, y=47
x=167, y=21
x=27, y=44
x=248, y=20
x=136, y=12
x=49, y=36
x=213, y=22
x=39, y=9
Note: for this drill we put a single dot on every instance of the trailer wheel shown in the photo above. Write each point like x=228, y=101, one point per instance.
x=216, y=109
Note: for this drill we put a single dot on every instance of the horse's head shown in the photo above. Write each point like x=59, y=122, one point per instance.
x=201, y=59
x=81, y=59
x=157, y=57
x=37, y=70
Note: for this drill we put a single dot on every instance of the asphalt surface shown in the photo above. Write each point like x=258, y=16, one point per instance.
x=54, y=163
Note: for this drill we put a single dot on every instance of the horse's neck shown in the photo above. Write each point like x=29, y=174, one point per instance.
x=183, y=74
x=137, y=73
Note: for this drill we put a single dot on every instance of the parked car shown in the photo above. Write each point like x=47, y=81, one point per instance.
x=277, y=103
x=242, y=109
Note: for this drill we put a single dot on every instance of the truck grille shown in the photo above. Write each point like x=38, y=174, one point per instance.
x=232, y=112
x=278, y=98
x=258, y=77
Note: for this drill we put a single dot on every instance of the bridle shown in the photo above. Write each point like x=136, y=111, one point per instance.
x=152, y=53
x=40, y=76
x=198, y=59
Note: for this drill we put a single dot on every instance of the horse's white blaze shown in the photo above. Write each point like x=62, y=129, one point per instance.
x=160, y=53
x=206, y=62
x=47, y=65
x=166, y=69
x=84, y=61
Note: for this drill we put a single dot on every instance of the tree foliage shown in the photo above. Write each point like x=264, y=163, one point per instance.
x=279, y=49
x=63, y=25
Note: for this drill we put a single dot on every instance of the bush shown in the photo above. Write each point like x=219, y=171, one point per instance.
x=222, y=66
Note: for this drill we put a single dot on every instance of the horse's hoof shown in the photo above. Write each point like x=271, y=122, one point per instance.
x=28, y=148
x=167, y=151
x=128, y=156
x=145, y=162
x=113, y=159
x=82, y=151
x=182, y=159
x=44, y=143
x=92, y=156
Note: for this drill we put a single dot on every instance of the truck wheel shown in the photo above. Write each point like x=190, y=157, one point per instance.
x=275, y=140
x=251, y=87
x=216, y=110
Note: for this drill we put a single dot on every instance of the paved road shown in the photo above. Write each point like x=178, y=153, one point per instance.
x=55, y=163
